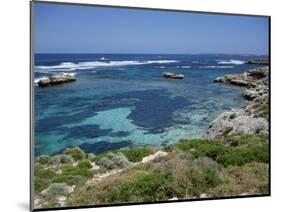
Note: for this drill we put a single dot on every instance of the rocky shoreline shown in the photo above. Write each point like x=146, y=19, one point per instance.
x=253, y=117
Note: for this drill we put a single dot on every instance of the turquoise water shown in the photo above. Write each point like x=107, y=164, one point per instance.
x=121, y=101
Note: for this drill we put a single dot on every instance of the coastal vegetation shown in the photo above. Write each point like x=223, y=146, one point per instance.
x=195, y=168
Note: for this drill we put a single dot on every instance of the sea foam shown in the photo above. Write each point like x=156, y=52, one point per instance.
x=235, y=62
x=216, y=66
x=36, y=80
x=69, y=66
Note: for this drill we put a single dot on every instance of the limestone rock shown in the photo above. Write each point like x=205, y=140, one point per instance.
x=56, y=79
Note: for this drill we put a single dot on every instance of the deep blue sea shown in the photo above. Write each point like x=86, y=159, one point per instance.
x=122, y=100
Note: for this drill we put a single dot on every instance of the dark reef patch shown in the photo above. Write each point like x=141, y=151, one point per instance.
x=104, y=146
x=86, y=131
x=120, y=134
x=154, y=110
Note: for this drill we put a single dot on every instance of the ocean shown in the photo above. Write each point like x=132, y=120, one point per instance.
x=121, y=100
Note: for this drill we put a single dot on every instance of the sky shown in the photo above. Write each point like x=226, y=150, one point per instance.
x=60, y=28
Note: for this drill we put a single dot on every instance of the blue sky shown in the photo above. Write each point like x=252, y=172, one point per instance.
x=78, y=29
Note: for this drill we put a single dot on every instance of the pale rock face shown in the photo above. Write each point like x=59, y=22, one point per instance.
x=245, y=120
x=174, y=198
x=56, y=79
x=155, y=156
x=61, y=200
x=59, y=171
x=225, y=124
x=203, y=196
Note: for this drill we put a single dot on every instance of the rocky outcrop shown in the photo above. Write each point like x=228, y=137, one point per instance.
x=259, y=62
x=235, y=122
x=56, y=79
x=172, y=75
x=253, y=117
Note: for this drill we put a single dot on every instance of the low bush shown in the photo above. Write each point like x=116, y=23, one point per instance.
x=44, y=173
x=43, y=160
x=210, y=177
x=199, y=147
x=246, y=140
x=85, y=164
x=251, y=178
x=61, y=159
x=137, y=154
x=194, y=181
x=77, y=180
x=84, y=171
x=262, y=109
x=57, y=189
x=76, y=153
x=146, y=187
x=236, y=150
x=40, y=184
x=241, y=156
x=91, y=156
x=113, y=161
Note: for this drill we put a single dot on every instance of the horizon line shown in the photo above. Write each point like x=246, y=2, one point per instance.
x=264, y=54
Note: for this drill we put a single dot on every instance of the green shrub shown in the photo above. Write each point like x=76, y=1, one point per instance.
x=251, y=178
x=85, y=164
x=57, y=189
x=44, y=173
x=76, y=153
x=146, y=187
x=210, y=177
x=200, y=147
x=205, y=162
x=137, y=154
x=85, y=172
x=43, y=160
x=113, y=161
x=61, y=159
x=242, y=149
x=77, y=180
x=246, y=140
x=263, y=109
x=91, y=156
x=40, y=184
x=241, y=156
x=194, y=181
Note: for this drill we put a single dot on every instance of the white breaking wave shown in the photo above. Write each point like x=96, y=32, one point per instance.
x=36, y=80
x=182, y=66
x=93, y=64
x=70, y=74
x=235, y=62
x=42, y=71
x=216, y=66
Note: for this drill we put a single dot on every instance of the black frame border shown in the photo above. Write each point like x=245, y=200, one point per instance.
x=31, y=106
